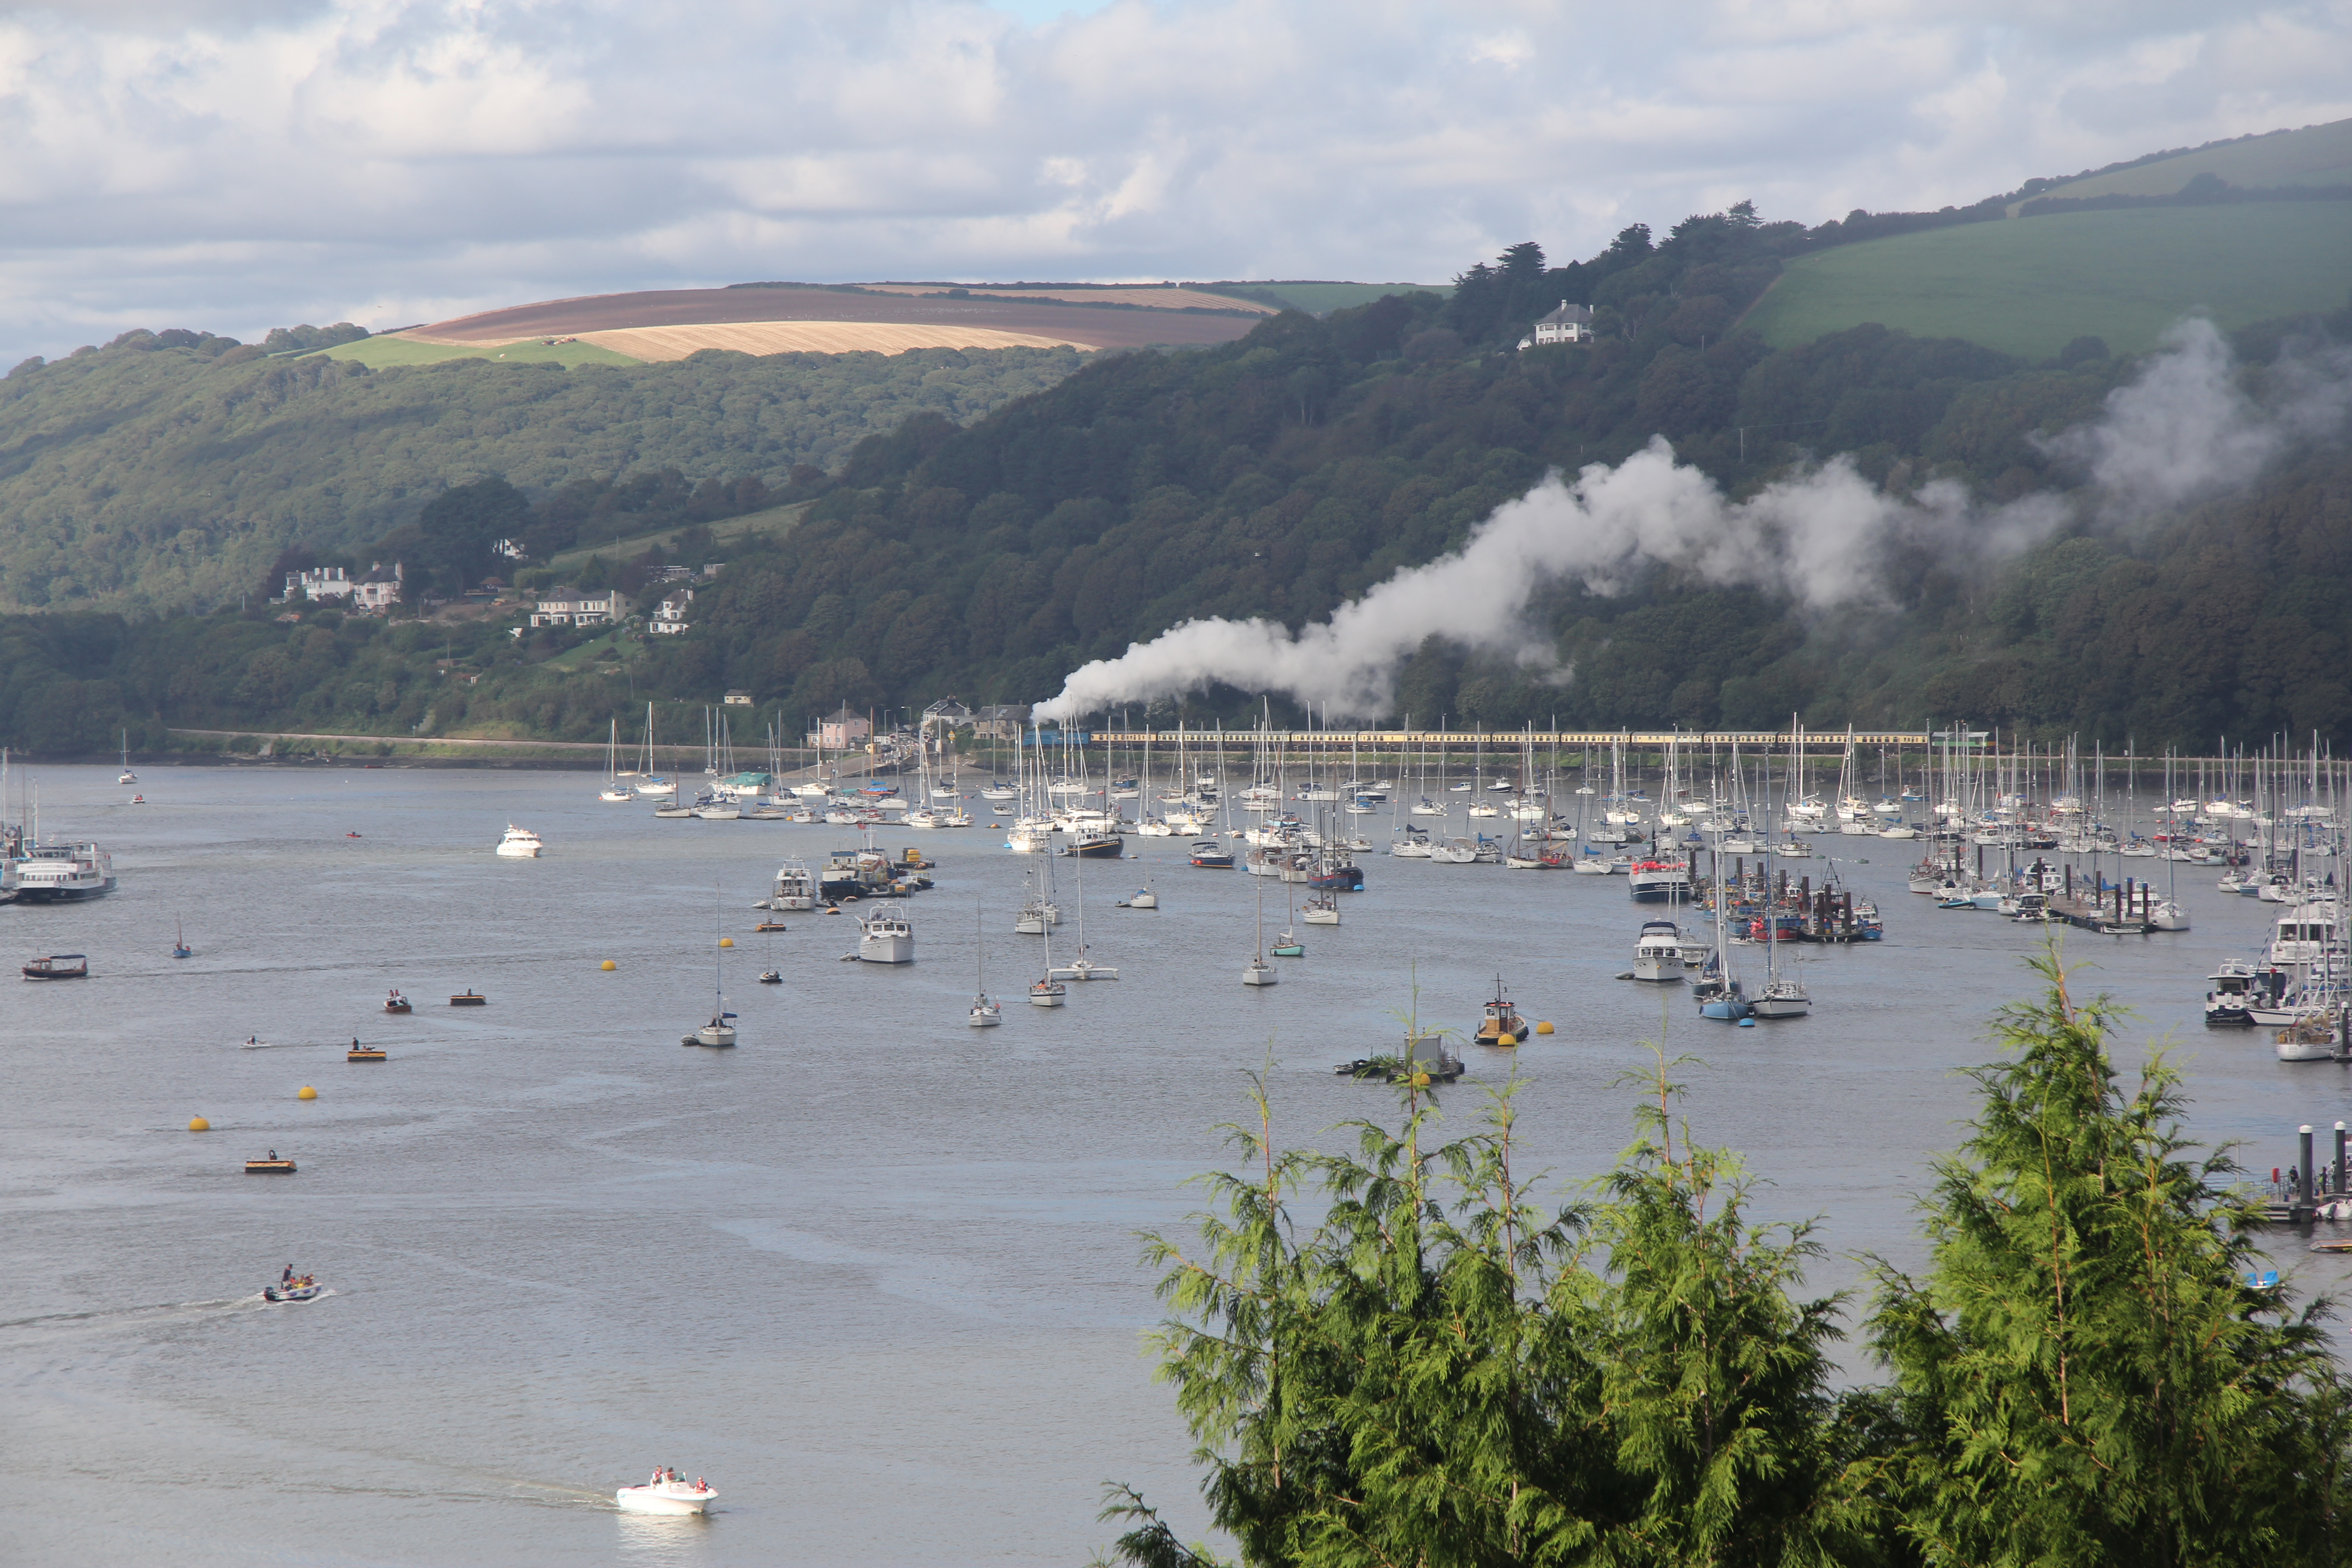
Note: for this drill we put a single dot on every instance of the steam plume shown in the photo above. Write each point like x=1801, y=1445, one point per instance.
x=2182, y=430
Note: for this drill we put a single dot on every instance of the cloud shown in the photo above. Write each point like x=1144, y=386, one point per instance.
x=2183, y=429
x=239, y=163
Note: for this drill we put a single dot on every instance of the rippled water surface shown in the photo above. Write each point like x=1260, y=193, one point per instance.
x=874, y=1273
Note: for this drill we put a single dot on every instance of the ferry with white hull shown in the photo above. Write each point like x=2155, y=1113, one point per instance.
x=58, y=873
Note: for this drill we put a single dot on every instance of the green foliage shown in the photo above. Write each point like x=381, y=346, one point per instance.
x=1438, y=1372
x=2027, y=286
x=2084, y=1377
x=167, y=469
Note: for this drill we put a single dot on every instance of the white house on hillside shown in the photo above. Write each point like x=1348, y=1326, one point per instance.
x=569, y=606
x=1569, y=324
x=669, y=616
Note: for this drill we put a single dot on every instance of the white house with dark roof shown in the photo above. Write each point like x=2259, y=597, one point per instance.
x=1569, y=324
x=569, y=606
x=669, y=617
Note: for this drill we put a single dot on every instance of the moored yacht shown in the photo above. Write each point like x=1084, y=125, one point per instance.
x=886, y=939
x=1659, y=881
x=520, y=843
x=795, y=889
x=1658, y=952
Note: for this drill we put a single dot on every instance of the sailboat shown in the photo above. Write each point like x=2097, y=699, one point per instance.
x=614, y=790
x=1717, y=992
x=985, y=1012
x=1780, y=998
x=180, y=948
x=720, y=1030
x=1081, y=967
x=1048, y=992
x=655, y=787
x=1258, y=972
x=769, y=976
x=1288, y=945
x=128, y=776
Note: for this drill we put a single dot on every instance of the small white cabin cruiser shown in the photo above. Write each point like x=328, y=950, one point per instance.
x=665, y=1497
x=1658, y=952
x=795, y=889
x=520, y=842
x=886, y=939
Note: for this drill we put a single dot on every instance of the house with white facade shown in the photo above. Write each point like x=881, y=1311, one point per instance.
x=569, y=606
x=669, y=616
x=1569, y=324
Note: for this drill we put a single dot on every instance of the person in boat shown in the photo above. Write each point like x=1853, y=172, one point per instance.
x=273, y=1153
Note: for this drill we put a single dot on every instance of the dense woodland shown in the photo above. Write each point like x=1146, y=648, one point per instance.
x=1277, y=475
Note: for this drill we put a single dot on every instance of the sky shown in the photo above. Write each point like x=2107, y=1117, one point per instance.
x=231, y=165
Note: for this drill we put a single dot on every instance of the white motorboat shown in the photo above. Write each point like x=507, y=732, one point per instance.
x=1658, y=952
x=886, y=939
x=794, y=889
x=58, y=873
x=665, y=1496
x=520, y=843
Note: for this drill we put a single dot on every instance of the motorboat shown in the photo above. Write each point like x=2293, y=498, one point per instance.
x=1501, y=1024
x=665, y=1496
x=296, y=1288
x=520, y=843
x=59, y=873
x=1659, y=881
x=58, y=966
x=396, y=1003
x=886, y=939
x=1658, y=952
x=771, y=977
x=2237, y=989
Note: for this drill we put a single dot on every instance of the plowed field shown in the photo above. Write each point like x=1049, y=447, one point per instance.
x=1148, y=299
x=1038, y=320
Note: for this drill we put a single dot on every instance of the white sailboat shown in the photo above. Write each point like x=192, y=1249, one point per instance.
x=1780, y=998
x=128, y=776
x=720, y=1033
x=1048, y=992
x=986, y=1013
x=1258, y=972
x=614, y=790
x=653, y=786
x=1082, y=967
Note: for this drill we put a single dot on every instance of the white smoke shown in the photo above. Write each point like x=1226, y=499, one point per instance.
x=2182, y=429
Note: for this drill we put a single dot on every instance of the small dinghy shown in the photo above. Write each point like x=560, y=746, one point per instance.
x=360, y=1053
x=271, y=1166
x=395, y=1002
x=469, y=999
x=665, y=1496
x=293, y=1287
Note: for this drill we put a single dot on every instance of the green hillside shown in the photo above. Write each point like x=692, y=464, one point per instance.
x=1318, y=298
x=380, y=354
x=775, y=521
x=2315, y=155
x=2030, y=285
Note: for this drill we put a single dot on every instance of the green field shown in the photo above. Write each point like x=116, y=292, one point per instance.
x=2027, y=286
x=775, y=520
x=380, y=354
x=1318, y=298
x=2315, y=155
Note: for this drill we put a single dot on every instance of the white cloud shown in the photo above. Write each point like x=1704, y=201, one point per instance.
x=239, y=163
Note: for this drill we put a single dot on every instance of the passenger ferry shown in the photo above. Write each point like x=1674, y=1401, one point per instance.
x=58, y=873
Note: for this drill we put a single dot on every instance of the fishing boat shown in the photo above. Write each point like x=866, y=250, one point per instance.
x=660, y=1496
x=468, y=997
x=180, y=948
x=886, y=939
x=1501, y=1024
x=396, y=1003
x=519, y=843
x=58, y=966
x=1658, y=952
x=1656, y=881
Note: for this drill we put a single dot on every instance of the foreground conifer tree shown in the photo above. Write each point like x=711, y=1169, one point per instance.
x=2085, y=1376
x=1439, y=1372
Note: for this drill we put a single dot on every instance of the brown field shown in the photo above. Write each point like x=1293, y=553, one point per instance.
x=651, y=343
x=1150, y=297
x=1032, y=319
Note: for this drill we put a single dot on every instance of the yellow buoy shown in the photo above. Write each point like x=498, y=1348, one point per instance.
x=608, y=964
x=727, y=942
x=306, y=1092
x=1507, y=1039
x=198, y=1124
x=1543, y=1028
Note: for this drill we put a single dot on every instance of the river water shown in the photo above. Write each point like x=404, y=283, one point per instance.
x=874, y=1273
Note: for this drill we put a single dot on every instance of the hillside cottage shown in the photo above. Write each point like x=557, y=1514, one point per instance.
x=569, y=606
x=1001, y=721
x=737, y=700
x=669, y=616
x=1569, y=324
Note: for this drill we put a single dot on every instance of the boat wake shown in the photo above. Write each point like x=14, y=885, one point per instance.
x=278, y=1045
x=155, y=1311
